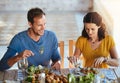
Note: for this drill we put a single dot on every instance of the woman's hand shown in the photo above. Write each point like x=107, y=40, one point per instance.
x=75, y=61
x=99, y=61
x=109, y=61
x=72, y=59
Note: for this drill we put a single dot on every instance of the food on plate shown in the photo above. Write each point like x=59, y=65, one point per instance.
x=50, y=77
x=88, y=78
x=34, y=73
x=89, y=70
x=29, y=78
x=31, y=70
x=71, y=78
x=35, y=70
x=54, y=78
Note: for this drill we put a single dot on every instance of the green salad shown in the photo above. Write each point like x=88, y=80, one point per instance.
x=89, y=78
x=33, y=72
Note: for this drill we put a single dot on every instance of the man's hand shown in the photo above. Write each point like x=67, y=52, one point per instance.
x=56, y=65
x=25, y=54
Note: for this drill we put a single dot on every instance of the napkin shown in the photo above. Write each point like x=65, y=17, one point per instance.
x=109, y=74
x=20, y=75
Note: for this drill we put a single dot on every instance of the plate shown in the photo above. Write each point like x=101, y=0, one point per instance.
x=89, y=70
x=34, y=69
x=29, y=73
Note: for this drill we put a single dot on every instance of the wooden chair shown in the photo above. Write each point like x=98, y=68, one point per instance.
x=61, y=50
x=71, y=49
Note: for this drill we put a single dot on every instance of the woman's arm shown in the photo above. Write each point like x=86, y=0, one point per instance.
x=113, y=61
x=77, y=52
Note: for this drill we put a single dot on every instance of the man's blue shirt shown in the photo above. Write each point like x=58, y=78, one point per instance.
x=44, y=50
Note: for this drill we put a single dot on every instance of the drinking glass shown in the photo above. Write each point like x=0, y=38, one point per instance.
x=22, y=65
x=75, y=61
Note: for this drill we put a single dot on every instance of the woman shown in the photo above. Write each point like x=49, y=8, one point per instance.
x=97, y=48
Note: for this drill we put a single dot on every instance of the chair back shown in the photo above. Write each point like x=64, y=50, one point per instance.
x=61, y=50
x=71, y=47
x=71, y=50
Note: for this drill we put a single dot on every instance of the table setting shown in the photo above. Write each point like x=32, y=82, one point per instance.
x=17, y=76
x=40, y=74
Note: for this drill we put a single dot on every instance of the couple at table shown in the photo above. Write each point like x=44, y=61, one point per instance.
x=40, y=46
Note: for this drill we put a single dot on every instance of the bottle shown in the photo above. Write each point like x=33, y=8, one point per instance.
x=42, y=78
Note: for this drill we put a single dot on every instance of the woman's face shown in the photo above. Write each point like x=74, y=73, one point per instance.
x=91, y=29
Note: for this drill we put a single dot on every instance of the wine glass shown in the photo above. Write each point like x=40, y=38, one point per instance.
x=22, y=65
x=75, y=61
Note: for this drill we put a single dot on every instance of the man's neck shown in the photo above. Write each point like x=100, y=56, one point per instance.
x=33, y=36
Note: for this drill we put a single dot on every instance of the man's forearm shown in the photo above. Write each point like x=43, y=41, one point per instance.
x=13, y=60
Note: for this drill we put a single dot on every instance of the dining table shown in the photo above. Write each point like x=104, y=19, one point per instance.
x=13, y=76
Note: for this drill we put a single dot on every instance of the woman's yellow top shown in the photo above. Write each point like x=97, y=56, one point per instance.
x=89, y=55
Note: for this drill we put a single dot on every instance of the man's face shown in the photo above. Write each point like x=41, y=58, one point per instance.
x=38, y=26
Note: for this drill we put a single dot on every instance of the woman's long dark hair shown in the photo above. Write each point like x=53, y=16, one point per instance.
x=94, y=17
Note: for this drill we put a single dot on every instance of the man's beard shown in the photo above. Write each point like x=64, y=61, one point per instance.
x=37, y=34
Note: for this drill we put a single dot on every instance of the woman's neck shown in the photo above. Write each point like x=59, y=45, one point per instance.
x=94, y=40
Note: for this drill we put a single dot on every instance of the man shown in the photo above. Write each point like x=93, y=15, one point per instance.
x=36, y=44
